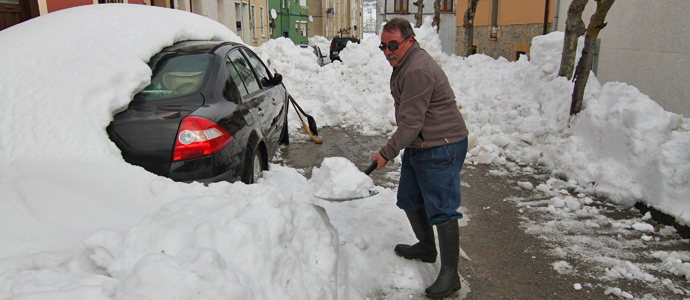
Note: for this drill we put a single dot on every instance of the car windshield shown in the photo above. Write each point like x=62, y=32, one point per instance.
x=175, y=76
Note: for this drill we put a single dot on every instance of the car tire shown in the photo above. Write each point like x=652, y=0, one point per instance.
x=253, y=166
x=257, y=167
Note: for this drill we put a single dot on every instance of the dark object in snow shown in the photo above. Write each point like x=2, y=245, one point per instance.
x=213, y=112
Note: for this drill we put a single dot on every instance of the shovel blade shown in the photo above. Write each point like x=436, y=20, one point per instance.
x=312, y=125
x=371, y=193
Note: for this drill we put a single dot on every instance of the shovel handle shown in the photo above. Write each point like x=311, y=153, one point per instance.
x=371, y=168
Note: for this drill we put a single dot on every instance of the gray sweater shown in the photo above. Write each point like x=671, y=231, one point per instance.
x=425, y=107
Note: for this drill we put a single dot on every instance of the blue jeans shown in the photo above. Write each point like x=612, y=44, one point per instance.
x=430, y=179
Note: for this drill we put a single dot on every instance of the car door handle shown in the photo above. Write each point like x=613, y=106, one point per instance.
x=261, y=112
x=274, y=102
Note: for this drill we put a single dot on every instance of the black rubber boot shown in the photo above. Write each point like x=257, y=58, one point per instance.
x=448, y=280
x=425, y=250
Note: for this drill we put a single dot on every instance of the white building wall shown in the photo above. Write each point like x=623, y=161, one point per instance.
x=447, y=27
x=206, y=8
x=222, y=11
x=645, y=44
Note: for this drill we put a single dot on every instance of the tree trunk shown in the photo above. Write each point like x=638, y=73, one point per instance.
x=437, y=15
x=468, y=24
x=584, y=66
x=419, y=16
x=574, y=28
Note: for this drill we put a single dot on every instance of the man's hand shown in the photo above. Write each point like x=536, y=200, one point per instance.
x=379, y=160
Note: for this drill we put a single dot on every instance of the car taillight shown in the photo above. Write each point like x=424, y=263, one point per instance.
x=331, y=46
x=199, y=137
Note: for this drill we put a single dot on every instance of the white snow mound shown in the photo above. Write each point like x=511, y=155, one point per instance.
x=339, y=178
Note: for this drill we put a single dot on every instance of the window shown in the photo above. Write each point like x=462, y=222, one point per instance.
x=235, y=76
x=263, y=17
x=258, y=66
x=175, y=76
x=446, y=5
x=401, y=6
x=303, y=28
x=244, y=71
x=253, y=21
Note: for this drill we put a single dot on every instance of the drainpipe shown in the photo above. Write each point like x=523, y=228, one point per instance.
x=555, y=15
x=385, y=10
x=546, y=16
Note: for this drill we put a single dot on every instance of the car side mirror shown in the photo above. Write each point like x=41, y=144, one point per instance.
x=277, y=79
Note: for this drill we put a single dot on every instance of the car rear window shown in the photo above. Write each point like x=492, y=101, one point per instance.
x=341, y=43
x=175, y=76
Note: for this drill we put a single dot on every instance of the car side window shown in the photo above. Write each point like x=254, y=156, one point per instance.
x=244, y=71
x=259, y=67
x=235, y=76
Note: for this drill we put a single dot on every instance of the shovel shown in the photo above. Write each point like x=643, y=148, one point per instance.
x=368, y=171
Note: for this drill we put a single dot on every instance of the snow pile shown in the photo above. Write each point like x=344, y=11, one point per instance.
x=339, y=178
x=323, y=43
x=209, y=248
x=623, y=145
x=62, y=177
x=112, y=75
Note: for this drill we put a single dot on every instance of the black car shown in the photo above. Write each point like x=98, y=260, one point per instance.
x=338, y=44
x=213, y=112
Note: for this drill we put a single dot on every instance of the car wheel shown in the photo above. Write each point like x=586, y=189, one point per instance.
x=253, y=169
x=284, y=135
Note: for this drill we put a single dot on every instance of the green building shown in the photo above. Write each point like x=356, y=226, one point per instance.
x=290, y=18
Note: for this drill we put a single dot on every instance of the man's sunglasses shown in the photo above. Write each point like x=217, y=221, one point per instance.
x=392, y=47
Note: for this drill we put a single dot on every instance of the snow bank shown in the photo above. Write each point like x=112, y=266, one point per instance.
x=209, y=248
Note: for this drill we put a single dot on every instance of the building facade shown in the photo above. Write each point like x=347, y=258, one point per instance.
x=389, y=9
x=291, y=20
x=247, y=18
x=332, y=18
x=505, y=28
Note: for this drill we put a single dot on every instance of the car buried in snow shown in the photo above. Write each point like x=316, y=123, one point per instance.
x=338, y=44
x=212, y=112
x=320, y=58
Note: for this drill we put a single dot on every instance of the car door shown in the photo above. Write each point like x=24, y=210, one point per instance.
x=319, y=56
x=254, y=104
x=272, y=99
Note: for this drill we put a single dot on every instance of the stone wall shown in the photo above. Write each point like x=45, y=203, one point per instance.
x=510, y=40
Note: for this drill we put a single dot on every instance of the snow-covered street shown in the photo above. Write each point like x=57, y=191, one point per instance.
x=519, y=240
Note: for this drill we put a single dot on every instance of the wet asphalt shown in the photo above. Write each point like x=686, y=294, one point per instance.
x=505, y=262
